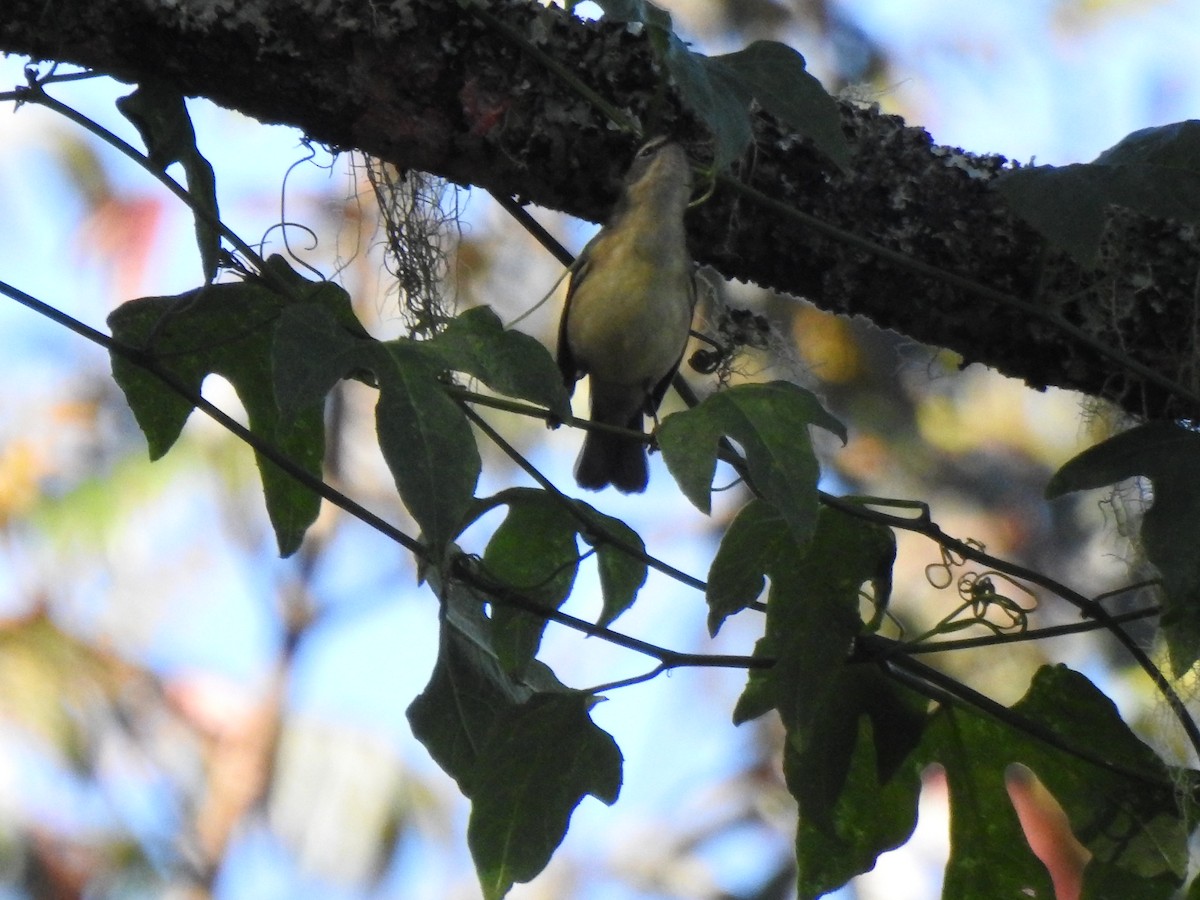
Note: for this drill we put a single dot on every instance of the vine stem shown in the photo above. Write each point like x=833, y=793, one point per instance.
x=1030, y=634
x=931, y=683
x=925, y=526
x=572, y=509
x=667, y=657
x=35, y=93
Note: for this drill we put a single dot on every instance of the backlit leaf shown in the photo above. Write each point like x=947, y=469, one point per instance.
x=1170, y=457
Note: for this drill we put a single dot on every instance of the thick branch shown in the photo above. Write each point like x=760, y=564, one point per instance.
x=427, y=84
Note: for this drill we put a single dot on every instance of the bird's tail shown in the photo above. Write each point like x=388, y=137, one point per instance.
x=614, y=459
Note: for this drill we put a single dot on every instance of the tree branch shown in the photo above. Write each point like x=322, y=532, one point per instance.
x=428, y=84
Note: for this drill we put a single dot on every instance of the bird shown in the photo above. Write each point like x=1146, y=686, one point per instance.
x=628, y=313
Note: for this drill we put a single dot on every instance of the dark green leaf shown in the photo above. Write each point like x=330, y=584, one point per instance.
x=468, y=690
x=871, y=814
x=426, y=440
x=756, y=537
x=1170, y=457
x=622, y=573
x=812, y=621
x=539, y=761
x=714, y=94
x=1155, y=171
x=1105, y=882
x=1193, y=892
x=849, y=730
x=512, y=363
x=770, y=422
x=312, y=354
x=534, y=552
x=1125, y=812
x=775, y=75
x=325, y=294
x=989, y=855
x=524, y=751
x=719, y=89
x=228, y=330
x=160, y=115
x=1133, y=823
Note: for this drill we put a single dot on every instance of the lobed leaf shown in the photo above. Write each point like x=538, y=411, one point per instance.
x=770, y=422
x=871, y=814
x=425, y=438
x=160, y=115
x=1168, y=455
x=775, y=75
x=622, y=573
x=508, y=361
x=533, y=551
x=223, y=329
x=719, y=89
x=1125, y=812
x=754, y=539
x=539, y=762
x=523, y=749
x=849, y=730
x=1155, y=171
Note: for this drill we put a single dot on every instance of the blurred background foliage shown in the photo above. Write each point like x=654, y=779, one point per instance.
x=182, y=714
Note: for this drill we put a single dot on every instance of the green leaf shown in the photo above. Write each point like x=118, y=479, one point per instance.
x=711, y=91
x=775, y=75
x=719, y=89
x=1132, y=823
x=872, y=814
x=228, y=330
x=1126, y=812
x=510, y=362
x=1105, y=882
x=453, y=716
x=524, y=751
x=849, y=729
x=620, y=552
x=812, y=621
x=540, y=760
x=534, y=552
x=1155, y=171
x=756, y=536
x=1170, y=457
x=425, y=438
x=160, y=115
x=715, y=94
x=770, y=423
x=989, y=855
x=324, y=294
x=312, y=353
x=622, y=573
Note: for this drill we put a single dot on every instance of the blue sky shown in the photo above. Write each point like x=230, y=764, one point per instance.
x=1032, y=80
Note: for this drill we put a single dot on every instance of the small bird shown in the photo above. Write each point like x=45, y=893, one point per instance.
x=628, y=313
